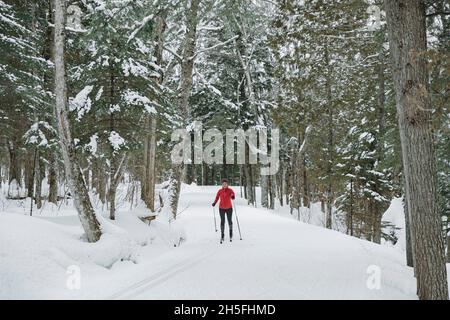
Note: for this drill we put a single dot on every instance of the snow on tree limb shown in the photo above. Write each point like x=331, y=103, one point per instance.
x=307, y=132
x=216, y=45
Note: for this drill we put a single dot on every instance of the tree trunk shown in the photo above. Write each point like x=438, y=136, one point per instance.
x=113, y=166
x=248, y=180
x=74, y=175
x=149, y=179
x=204, y=173
x=101, y=180
x=409, y=250
x=272, y=191
x=368, y=219
x=112, y=202
x=448, y=248
x=187, y=66
x=151, y=162
x=114, y=180
x=240, y=179
x=330, y=143
x=322, y=200
x=350, y=212
x=38, y=180
x=175, y=179
x=264, y=191
x=14, y=170
x=145, y=163
x=306, y=200
x=87, y=175
x=408, y=45
x=280, y=183
x=52, y=181
x=28, y=165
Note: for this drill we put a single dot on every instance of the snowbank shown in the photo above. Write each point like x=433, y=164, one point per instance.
x=37, y=255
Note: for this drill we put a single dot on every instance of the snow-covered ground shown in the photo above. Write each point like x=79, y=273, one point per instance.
x=278, y=258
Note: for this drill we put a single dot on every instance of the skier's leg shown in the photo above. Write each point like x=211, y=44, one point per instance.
x=222, y=222
x=230, y=221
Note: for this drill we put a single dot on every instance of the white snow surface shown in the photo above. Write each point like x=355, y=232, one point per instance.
x=279, y=257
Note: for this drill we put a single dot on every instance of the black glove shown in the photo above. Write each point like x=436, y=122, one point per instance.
x=213, y=204
x=232, y=197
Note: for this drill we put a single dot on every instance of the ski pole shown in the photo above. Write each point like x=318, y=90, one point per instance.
x=237, y=220
x=215, y=223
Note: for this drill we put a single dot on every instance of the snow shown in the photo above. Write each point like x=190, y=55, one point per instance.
x=81, y=103
x=278, y=258
x=134, y=98
x=36, y=254
x=92, y=146
x=99, y=94
x=14, y=190
x=395, y=216
x=36, y=136
x=131, y=67
x=116, y=140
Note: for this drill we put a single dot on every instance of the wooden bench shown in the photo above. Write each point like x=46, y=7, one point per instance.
x=148, y=219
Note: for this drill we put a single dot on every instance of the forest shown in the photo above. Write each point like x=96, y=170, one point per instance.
x=357, y=92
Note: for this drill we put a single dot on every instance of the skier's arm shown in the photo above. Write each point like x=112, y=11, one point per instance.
x=232, y=194
x=217, y=198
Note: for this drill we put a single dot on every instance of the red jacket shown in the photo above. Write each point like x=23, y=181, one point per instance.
x=225, y=195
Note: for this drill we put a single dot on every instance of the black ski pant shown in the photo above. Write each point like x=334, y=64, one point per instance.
x=222, y=213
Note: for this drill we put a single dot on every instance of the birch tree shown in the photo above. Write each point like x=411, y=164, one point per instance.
x=182, y=99
x=74, y=174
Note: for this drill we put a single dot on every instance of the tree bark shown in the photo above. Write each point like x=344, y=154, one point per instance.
x=37, y=180
x=52, y=181
x=14, y=170
x=101, y=180
x=272, y=191
x=28, y=165
x=294, y=183
x=149, y=179
x=151, y=162
x=114, y=183
x=264, y=191
x=408, y=45
x=350, y=219
x=113, y=165
x=74, y=174
x=204, y=174
x=448, y=248
x=409, y=250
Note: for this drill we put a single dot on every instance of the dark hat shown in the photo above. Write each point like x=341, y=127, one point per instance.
x=224, y=180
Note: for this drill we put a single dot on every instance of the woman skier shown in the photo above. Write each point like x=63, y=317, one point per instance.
x=225, y=194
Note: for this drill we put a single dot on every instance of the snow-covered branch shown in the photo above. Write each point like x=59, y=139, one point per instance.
x=215, y=46
x=305, y=140
x=171, y=51
x=209, y=28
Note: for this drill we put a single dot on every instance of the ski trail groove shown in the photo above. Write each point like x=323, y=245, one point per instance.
x=159, y=277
